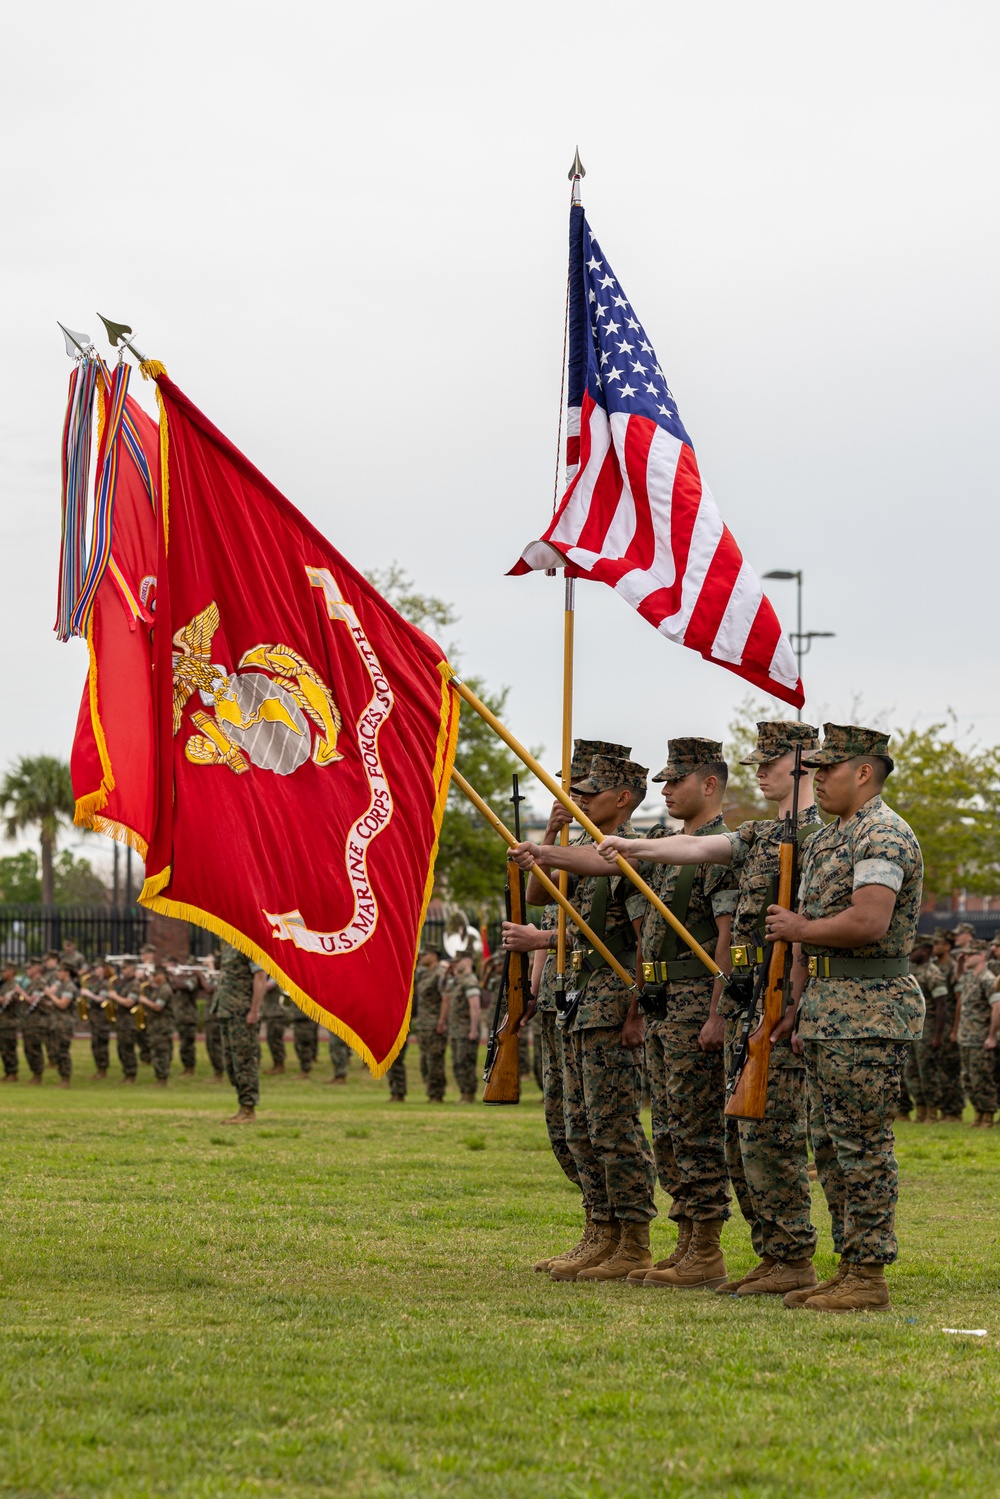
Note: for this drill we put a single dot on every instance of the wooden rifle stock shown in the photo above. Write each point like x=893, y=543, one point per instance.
x=503, y=1080
x=748, y=1099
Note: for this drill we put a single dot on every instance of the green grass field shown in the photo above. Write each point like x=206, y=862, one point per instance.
x=340, y=1301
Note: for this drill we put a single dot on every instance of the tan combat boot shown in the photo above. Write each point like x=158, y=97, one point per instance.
x=271, y=1071
x=987, y=1122
x=921, y=1114
x=188, y=1072
x=783, y=1276
x=729, y=1287
x=951, y=1119
x=637, y=1277
x=100, y=1075
x=702, y=1268
x=976, y=1122
x=631, y=1254
x=541, y=1265
x=862, y=1288
x=601, y=1243
x=467, y=1098
x=245, y=1116
x=800, y=1297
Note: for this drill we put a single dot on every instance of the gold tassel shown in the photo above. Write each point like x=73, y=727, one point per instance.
x=152, y=369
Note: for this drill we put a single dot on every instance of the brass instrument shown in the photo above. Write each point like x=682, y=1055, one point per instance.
x=82, y=1008
x=139, y=1010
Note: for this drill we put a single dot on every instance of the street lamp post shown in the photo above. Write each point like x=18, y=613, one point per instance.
x=801, y=639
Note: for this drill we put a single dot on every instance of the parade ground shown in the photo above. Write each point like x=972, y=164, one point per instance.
x=340, y=1300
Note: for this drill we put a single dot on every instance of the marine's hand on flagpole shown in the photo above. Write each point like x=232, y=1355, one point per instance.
x=610, y=848
x=525, y=855
x=559, y=817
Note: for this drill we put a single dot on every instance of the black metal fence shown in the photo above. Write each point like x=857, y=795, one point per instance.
x=97, y=930
x=986, y=923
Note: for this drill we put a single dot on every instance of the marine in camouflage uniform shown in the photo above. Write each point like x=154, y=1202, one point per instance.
x=396, y=1075
x=10, y=1019
x=305, y=1039
x=426, y=1015
x=100, y=1016
x=340, y=1058
x=127, y=987
x=860, y=1008
x=921, y=1073
x=549, y=1038
x=601, y=1074
x=768, y=1158
x=185, y=987
x=950, y=1099
x=460, y=993
x=275, y=1018
x=978, y=1023
x=158, y=1002
x=63, y=994
x=238, y=1011
x=686, y=1080
x=36, y=1020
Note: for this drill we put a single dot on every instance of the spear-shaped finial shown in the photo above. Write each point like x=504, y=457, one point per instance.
x=120, y=333
x=576, y=173
x=78, y=345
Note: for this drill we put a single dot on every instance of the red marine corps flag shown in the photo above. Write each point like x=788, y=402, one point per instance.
x=305, y=739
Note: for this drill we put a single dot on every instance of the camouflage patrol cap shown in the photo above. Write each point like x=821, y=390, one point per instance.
x=608, y=772
x=584, y=751
x=776, y=739
x=685, y=756
x=965, y=926
x=844, y=741
x=944, y=934
x=976, y=946
x=922, y=939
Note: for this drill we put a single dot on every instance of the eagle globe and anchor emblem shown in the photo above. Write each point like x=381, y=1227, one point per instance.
x=264, y=713
x=275, y=712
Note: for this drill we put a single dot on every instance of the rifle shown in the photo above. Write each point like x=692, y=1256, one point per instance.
x=746, y=1086
x=502, y=1073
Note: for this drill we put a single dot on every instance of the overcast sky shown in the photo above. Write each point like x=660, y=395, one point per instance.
x=343, y=230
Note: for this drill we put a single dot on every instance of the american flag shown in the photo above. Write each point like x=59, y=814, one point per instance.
x=636, y=514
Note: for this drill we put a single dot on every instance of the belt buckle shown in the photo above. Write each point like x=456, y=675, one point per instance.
x=819, y=968
x=649, y=973
x=740, y=955
x=813, y=968
x=576, y=961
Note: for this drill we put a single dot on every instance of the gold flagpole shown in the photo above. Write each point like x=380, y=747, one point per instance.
x=576, y=175
x=553, y=785
x=566, y=907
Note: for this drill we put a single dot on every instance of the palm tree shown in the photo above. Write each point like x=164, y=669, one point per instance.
x=38, y=790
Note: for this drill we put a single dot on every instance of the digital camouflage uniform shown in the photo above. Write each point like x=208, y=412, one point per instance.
x=125, y=1027
x=686, y=1084
x=340, y=1056
x=768, y=1158
x=100, y=1018
x=426, y=1010
x=36, y=1024
x=856, y=1029
x=951, y=1098
x=160, y=1030
x=921, y=1076
x=602, y=1081
x=978, y=996
x=549, y=1041
x=230, y=1004
x=10, y=1020
x=396, y=1075
x=63, y=1025
x=275, y=1018
x=305, y=1038
x=185, y=988
x=459, y=989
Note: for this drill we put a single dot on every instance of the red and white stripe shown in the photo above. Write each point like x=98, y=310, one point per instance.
x=637, y=517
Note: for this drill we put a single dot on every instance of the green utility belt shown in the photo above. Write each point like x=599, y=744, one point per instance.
x=745, y=955
x=858, y=968
x=677, y=968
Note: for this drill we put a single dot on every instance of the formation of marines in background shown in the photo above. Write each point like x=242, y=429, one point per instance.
x=880, y=1022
